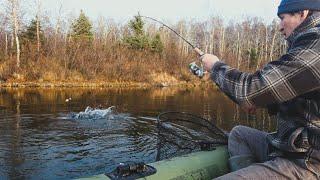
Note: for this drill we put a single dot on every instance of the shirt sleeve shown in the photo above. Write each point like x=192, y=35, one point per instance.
x=295, y=73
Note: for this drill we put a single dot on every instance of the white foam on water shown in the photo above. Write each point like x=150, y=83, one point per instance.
x=95, y=113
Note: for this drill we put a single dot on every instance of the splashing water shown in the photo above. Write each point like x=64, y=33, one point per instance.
x=96, y=113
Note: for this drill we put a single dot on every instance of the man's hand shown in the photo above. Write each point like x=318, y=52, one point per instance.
x=208, y=61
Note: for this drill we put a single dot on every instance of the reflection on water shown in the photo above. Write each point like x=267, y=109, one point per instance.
x=38, y=140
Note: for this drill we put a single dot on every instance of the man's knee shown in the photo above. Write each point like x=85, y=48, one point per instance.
x=236, y=141
x=237, y=132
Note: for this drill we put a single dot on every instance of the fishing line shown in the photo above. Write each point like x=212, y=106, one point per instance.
x=194, y=68
x=193, y=46
x=175, y=32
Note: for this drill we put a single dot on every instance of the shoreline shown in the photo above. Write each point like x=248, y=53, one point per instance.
x=100, y=84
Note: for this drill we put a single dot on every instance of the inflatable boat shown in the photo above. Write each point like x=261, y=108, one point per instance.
x=197, y=165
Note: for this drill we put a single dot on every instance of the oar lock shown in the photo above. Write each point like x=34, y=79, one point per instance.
x=135, y=170
x=131, y=170
x=207, y=145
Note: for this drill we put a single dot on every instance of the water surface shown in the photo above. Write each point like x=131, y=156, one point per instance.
x=40, y=140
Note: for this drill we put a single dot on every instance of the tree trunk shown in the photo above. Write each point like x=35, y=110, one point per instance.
x=238, y=47
x=272, y=45
x=259, y=58
x=11, y=44
x=222, y=42
x=38, y=29
x=257, y=49
x=6, y=45
x=16, y=29
x=57, y=31
x=38, y=38
x=212, y=49
x=249, y=49
x=180, y=43
x=18, y=47
x=266, y=45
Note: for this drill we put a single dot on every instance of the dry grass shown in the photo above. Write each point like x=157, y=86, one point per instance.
x=163, y=79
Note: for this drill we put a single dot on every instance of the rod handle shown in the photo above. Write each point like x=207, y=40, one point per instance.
x=199, y=52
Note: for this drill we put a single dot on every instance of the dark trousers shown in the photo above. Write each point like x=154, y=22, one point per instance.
x=248, y=141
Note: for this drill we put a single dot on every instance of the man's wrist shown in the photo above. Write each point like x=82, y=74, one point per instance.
x=215, y=65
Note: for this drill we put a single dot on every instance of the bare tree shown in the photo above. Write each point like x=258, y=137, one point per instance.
x=6, y=45
x=38, y=27
x=222, y=42
x=266, y=44
x=57, y=31
x=246, y=44
x=275, y=33
x=4, y=32
x=14, y=6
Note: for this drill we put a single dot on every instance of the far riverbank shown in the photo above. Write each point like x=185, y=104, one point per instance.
x=102, y=84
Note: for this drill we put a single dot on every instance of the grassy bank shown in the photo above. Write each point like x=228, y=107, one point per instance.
x=103, y=84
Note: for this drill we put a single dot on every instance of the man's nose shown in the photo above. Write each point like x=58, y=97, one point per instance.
x=281, y=29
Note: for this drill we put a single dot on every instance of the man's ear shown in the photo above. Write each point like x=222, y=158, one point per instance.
x=304, y=14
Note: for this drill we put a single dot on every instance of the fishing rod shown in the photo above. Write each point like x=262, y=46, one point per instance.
x=194, y=68
x=198, y=51
x=193, y=46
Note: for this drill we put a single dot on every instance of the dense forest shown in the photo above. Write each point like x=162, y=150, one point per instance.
x=74, y=48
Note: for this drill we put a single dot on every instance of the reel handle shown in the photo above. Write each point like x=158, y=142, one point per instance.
x=196, y=70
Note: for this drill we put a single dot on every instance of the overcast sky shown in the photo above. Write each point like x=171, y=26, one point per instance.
x=169, y=10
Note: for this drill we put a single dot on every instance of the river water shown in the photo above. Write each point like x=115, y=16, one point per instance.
x=40, y=139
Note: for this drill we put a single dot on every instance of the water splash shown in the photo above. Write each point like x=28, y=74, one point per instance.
x=96, y=113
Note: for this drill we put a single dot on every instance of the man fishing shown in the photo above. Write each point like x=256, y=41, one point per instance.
x=290, y=88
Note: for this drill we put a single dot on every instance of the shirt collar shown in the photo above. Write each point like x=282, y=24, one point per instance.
x=310, y=22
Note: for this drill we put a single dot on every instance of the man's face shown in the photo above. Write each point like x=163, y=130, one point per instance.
x=289, y=22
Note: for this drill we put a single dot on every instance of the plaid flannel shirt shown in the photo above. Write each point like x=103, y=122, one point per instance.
x=290, y=87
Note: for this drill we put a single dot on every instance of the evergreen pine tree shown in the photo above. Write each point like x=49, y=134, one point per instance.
x=137, y=26
x=30, y=34
x=82, y=28
x=156, y=44
x=139, y=40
